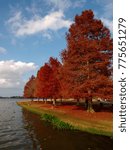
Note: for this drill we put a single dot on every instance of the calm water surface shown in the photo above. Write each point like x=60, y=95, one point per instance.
x=22, y=130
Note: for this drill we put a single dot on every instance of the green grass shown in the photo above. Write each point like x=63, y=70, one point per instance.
x=62, y=121
x=56, y=122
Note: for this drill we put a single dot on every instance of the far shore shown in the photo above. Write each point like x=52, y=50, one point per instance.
x=96, y=123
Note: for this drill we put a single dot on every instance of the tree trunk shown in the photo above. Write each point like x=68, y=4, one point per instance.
x=77, y=102
x=61, y=101
x=45, y=100
x=101, y=106
x=90, y=106
x=54, y=102
x=86, y=103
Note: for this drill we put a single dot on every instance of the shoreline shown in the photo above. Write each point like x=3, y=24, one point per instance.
x=94, y=123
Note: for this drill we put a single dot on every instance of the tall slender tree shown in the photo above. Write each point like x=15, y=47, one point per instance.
x=29, y=88
x=87, y=59
x=42, y=78
x=47, y=82
x=54, y=82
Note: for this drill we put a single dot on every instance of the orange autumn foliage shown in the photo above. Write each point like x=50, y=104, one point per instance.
x=87, y=66
x=86, y=69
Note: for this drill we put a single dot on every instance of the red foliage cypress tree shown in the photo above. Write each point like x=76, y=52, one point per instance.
x=87, y=60
x=47, y=82
x=43, y=74
x=29, y=88
x=54, y=82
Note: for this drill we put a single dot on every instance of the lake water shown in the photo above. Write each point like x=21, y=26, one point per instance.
x=22, y=130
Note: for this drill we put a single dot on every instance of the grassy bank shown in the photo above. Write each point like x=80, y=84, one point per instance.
x=61, y=119
x=56, y=122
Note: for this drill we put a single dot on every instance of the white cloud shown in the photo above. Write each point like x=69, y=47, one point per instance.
x=34, y=8
x=15, y=19
x=59, y=4
x=79, y=3
x=11, y=73
x=108, y=10
x=2, y=50
x=52, y=22
x=47, y=35
x=107, y=13
x=108, y=23
x=63, y=5
x=39, y=22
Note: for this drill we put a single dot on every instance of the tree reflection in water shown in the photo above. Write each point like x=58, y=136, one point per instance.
x=44, y=137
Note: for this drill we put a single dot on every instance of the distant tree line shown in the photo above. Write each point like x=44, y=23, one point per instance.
x=85, y=70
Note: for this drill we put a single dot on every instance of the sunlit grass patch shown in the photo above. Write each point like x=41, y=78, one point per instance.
x=61, y=120
x=56, y=122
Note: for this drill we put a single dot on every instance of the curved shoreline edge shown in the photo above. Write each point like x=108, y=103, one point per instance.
x=78, y=124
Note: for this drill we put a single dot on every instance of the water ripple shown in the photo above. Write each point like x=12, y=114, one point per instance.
x=22, y=130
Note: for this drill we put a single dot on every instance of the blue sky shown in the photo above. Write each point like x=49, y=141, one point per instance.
x=33, y=30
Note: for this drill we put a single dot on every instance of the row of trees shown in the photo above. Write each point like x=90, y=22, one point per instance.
x=85, y=70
